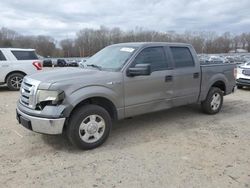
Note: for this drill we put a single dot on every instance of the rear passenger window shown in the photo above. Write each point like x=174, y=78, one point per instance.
x=2, y=57
x=154, y=56
x=24, y=55
x=182, y=57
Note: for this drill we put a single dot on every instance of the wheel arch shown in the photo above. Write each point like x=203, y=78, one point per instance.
x=217, y=80
x=12, y=72
x=106, y=103
x=219, y=84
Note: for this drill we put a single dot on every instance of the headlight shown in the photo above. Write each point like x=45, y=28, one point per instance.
x=45, y=97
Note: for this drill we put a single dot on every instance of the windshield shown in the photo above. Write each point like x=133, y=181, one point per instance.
x=111, y=58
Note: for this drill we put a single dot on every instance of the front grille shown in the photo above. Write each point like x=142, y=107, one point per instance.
x=28, y=92
x=246, y=72
x=25, y=93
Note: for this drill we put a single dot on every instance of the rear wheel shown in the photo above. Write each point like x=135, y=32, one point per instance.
x=213, y=102
x=14, y=81
x=89, y=126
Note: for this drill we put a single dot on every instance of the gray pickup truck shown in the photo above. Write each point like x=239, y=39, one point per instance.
x=120, y=81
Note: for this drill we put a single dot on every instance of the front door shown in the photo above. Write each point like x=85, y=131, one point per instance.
x=150, y=93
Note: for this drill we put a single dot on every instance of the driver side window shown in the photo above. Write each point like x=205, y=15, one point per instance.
x=154, y=56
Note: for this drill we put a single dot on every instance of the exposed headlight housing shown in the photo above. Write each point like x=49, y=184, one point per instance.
x=46, y=97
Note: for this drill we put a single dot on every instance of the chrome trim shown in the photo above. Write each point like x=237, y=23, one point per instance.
x=25, y=100
x=28, y=92
x=26, y=87
x=44, y=125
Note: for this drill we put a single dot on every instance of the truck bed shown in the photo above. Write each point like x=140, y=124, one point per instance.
x=212, y=73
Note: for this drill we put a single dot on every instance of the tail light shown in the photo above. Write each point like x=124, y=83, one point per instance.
x=235, y=73
x=38, y=65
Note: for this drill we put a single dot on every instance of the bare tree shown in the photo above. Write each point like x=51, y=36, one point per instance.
x=248, y=41
x=67, y=47
x=88, y=41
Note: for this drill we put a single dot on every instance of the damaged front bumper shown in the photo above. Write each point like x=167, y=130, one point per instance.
x=40, y=123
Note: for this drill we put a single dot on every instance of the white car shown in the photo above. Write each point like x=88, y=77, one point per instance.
x=82, y=63
x=243, y=75
x=15, y=63
x=216, y=59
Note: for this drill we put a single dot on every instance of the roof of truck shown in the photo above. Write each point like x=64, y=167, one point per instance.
x=18, y=49
x=141, y=44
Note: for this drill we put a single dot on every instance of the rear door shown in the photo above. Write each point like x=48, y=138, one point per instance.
x=144, y=94
x=186, y=76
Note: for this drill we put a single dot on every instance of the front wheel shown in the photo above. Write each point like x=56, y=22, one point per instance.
x=213, y=101
x=89, y=126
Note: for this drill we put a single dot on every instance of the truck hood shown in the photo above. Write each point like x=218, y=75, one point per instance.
x=65, y=74
x=72, y=76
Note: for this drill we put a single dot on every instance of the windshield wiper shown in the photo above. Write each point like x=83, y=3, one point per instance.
x=95, y=66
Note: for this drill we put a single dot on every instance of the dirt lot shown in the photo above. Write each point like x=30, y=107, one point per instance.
x=176, y=148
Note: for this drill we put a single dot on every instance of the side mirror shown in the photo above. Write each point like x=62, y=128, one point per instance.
x=139, y=70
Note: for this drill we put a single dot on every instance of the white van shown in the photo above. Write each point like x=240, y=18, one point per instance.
x=15, y=63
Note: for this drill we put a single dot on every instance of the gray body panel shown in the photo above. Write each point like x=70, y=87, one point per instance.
x=144, y=95
x=214, y=73
x=134, y=95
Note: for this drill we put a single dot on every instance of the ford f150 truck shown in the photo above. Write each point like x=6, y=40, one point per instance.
x=120, y=81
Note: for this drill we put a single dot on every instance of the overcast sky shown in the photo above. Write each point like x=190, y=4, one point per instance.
x=62, y=19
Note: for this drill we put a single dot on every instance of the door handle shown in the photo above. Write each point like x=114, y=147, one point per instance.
x=196, y=75
x=168, y=78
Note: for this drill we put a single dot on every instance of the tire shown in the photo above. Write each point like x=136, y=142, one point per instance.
x=89, y=127
x=239, y=86
x=60, y=64
x=14, y=81
x=213, y=102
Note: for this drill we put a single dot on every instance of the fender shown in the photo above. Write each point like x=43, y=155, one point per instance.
x=93, y=91
x=215, y=78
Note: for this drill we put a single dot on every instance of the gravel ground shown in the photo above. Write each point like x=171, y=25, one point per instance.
x=180, y=147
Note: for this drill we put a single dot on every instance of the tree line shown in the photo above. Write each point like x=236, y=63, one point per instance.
x=88, y=41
